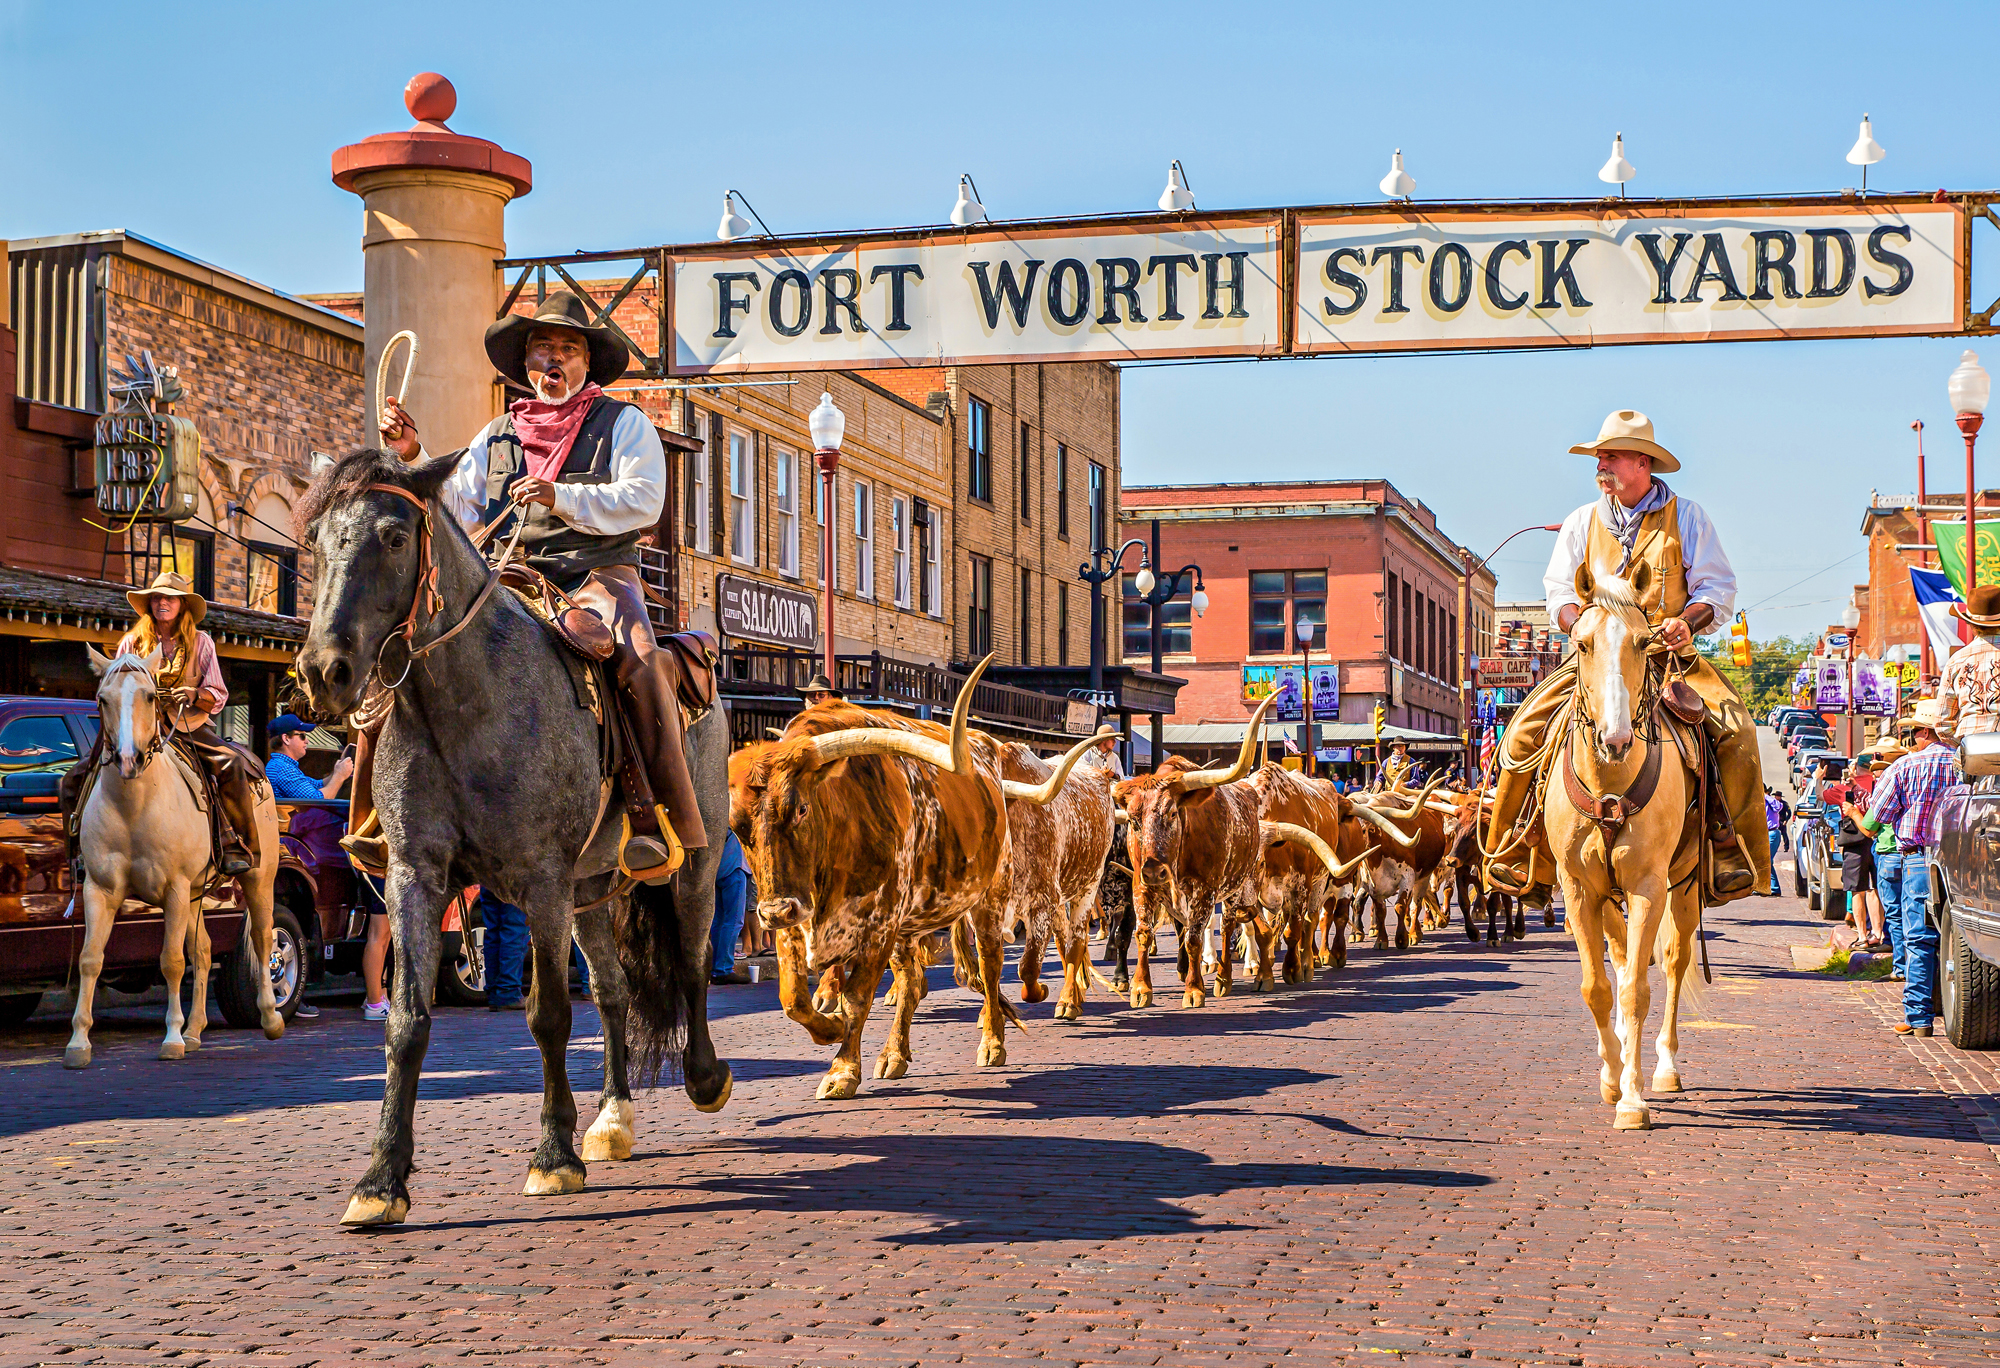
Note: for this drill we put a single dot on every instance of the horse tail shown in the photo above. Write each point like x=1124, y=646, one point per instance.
x=1694, y=998
x=660, y=976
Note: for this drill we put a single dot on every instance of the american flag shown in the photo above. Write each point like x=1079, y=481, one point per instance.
x=1486, y=753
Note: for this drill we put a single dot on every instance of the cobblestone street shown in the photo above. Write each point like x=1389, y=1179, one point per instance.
x=1408, y=1157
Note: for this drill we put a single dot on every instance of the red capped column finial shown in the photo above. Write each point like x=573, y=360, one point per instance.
x=431, y=99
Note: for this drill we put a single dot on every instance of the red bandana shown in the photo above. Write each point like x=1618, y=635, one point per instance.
x=547, y=431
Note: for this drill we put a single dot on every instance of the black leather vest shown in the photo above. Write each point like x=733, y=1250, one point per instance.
x=563, y=553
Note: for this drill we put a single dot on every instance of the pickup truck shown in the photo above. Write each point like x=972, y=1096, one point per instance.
x=1965, y=897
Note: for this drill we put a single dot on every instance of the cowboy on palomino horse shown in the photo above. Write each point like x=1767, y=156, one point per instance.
x=586, y=476
x=1638, y=522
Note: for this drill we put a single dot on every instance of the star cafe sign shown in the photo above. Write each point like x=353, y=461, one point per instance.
x=1302, y=282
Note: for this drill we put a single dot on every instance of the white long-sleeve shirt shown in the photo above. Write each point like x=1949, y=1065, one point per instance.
x=631, y=502
x=1710, y=580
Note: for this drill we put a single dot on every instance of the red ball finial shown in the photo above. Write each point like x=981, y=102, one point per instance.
x=429, y=97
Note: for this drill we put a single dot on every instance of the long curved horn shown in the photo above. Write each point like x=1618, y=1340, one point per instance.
x=1253, y=742
x=954, y=757
x=1415, y=807
x=1119, y=814
x=1371, y=816
x=1286, y=831
x=1046, y=791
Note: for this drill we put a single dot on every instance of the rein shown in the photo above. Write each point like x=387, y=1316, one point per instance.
x=426, y=593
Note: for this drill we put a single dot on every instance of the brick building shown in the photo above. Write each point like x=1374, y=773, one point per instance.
x=1359, y=557
x=1889, y=607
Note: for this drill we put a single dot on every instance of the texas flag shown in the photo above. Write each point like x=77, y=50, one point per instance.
x=1935, y=598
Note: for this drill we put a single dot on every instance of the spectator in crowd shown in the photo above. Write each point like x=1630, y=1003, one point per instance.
x=1784, y=823
x=506, y=949
x=288, y=746
x=1907, y=800
x=1890, y=928
x=1774, y=819
x=1858, y=870
x=732, y=888
x=818, y=691
x=374, y=951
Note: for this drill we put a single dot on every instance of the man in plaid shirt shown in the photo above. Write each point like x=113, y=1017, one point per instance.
x=1906, y=798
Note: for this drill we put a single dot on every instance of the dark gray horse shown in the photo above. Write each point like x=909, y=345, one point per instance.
x=487, y=772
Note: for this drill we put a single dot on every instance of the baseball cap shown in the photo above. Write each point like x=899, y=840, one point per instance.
x=286, y=723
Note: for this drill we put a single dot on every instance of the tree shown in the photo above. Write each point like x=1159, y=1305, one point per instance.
x=1773, y=665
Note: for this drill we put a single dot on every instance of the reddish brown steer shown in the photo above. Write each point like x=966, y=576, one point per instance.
x=1059, y=850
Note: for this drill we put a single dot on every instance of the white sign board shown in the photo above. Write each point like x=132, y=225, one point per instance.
x=1192, y=287
x=1503, y=278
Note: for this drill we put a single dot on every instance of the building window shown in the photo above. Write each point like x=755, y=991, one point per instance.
x=979, y=450
x=742, y=498
x=1099, y=497
x=785, y=478
x=191, y=555
x=1176, y=621
x=931, y=525
x=1024, y=478
x=1027, y=622
x=1279, y=599
x=1451, y=652
x=979, y=630
x=697, y=482
x=1391, y=641
x=273, y=580
x=1062, y=491
x=1062, y=622
x=899, y=527
x=1409, y=656
x=864, y=540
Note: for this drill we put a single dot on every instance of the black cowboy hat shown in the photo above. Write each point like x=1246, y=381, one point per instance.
x=507, y=340
x=819, y=683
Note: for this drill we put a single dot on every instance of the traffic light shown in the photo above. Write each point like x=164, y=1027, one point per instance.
x=1381, y=716
x=1739, y=642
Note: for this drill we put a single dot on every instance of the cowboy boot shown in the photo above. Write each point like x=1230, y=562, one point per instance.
x=364, y=843
x=1510, y=793
x=241, y=851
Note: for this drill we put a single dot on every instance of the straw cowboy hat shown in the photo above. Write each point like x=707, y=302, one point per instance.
x=1981, y=608
x=1885, y=753
x=169, y=585
x=1929, y=713
x=507, y=340
x=1629, y=430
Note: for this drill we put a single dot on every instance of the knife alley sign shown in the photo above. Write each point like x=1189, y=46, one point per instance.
x=1359, y=279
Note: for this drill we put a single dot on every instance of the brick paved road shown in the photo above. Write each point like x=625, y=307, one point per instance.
x=1408, y=1158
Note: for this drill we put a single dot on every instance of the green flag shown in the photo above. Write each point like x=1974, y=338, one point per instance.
x=1950, y=539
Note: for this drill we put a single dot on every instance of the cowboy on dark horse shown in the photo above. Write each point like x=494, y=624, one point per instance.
x=585, y=476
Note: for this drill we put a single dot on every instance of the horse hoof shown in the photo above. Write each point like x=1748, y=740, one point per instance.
x=1121, y=984
x=891, y=1066
x=610, y=1135
x=1666, y=1082
x=76, y=1057
x=1632, y=1118
x=173, y=1049
x=558, y=1184
x=375, y=1211
x=993, y=1055
x=274, y=1027
x=835, y=1087
x=1141, y=997
x=190, y=1043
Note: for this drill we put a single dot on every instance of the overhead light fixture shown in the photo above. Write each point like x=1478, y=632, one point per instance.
x=1865, y=152
x=1617, y=171
x=1144, y=581
x=1397, y=184
x=1970, y=387
x=733, y=224
x=827, y=424
x=968, y=209
x=1176, y=197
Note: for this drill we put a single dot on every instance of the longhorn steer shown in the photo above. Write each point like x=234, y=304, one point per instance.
x=866, y=831
x=1059, y=853
x=1395, y=872
x=1297, y=882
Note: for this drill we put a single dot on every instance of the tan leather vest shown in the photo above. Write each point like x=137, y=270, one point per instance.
x=1659, y=546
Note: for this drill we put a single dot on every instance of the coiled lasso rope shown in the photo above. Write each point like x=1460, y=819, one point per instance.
x=382, y=370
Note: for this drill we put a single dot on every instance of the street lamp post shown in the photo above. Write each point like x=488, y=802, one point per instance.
x=1095, y=572
x=1158, y=591
x=1923, y=536
x=1305, y=635
x=1970, y=387
x=1465, y=680
x=828, y=425
x=1850, y=618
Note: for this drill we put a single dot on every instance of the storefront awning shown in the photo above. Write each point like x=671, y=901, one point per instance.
x=65, y=608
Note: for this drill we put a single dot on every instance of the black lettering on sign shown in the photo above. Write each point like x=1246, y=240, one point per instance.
x=1211, y=262
x=1496, y=292
x=1823, y=240
x=1393, y=277
x=776, y=302
x=1882, y=256
x=1712, y=264
x=1172, y=313
x=835, y=300
x=1663, y=271
x=1069, y=266
x=1560, y=272
x=1013, y=293
x=1462, y=289
x=1763, y=263
x=1345, y=280
x=898, y=300
x=1121, y=281
x=726, y=301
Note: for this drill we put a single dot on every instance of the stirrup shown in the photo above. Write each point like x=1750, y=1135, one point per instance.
x=369, y=853
x=656, y=863
x=1507, y=878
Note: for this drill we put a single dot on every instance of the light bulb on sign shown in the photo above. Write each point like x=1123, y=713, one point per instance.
x=1176, y=197
x=1617, y=170
x=1397, y=184
x=733, y=224
x=968, y=209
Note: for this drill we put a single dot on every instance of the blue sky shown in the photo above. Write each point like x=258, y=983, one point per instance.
x=209, y=127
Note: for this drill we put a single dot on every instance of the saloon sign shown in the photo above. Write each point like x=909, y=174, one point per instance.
x=752, y=610
x=1304, y=282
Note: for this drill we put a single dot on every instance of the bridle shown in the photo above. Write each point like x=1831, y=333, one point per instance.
x=426, y=603
x=1611, y=811
x=163, y=728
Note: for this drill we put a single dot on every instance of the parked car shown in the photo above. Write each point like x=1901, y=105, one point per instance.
x=1803, y=737
x=1779, y=716
x=1800, y=718
x=1815, y=869
x=1965, y=898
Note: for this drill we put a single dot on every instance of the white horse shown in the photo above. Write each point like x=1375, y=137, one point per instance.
x=144, y=838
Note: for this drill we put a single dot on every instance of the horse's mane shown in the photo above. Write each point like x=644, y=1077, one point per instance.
x=349, y=476
x=1612, y=592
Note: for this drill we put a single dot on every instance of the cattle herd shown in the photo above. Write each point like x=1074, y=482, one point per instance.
x=872, y=837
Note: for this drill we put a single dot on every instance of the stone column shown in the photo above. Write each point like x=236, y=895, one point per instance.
x=434, y=208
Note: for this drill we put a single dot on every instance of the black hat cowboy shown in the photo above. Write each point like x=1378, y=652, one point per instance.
x=587, y=476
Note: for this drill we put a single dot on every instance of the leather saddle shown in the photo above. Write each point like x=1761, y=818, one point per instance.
x=579, y=630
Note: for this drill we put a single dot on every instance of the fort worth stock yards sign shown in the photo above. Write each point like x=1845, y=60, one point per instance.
x=1295, y=282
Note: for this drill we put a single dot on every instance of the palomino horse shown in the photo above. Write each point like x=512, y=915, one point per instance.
x=1616, y=809
x=145, y=838
x=488, y=772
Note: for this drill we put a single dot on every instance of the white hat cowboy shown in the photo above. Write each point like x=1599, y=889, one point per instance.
x=1629, y=430
x=169, y=585
x=1929, y=713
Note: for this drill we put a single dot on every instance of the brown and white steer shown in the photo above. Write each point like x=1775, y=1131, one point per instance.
x=1409, y=858
x=1059, y=851
x=1297, y=885
x=866, y=831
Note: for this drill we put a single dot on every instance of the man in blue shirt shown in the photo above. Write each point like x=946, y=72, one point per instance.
x=732, y=888
x=288, y=747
